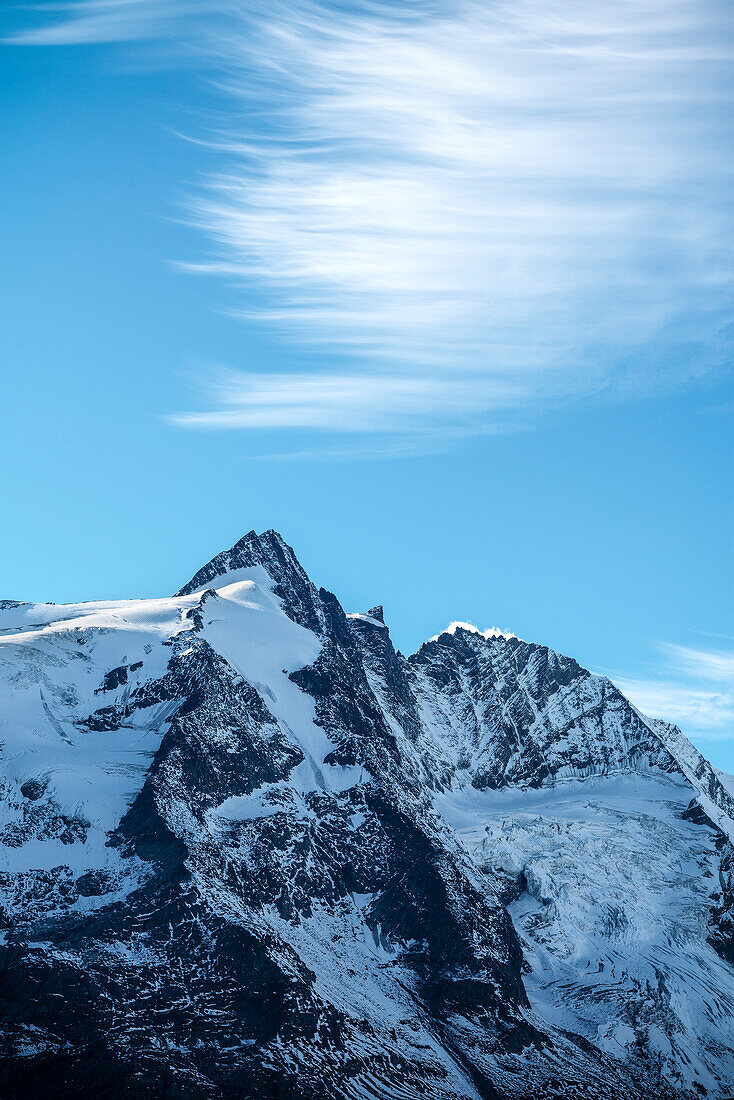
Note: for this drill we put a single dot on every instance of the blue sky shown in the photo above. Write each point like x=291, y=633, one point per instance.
x=443, y=292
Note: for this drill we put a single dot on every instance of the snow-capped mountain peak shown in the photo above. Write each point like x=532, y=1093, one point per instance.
x=272, y=553
x=249, y=849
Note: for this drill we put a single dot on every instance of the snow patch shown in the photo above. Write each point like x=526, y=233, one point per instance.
x=366, y=619
x=490, y=632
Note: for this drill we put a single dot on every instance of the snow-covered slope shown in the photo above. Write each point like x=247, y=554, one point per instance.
x=247, y=849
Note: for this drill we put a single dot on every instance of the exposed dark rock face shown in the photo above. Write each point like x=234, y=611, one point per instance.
x=233, y=867
x=518, y=713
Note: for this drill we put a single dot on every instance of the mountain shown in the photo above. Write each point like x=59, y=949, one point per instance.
x=249, y=850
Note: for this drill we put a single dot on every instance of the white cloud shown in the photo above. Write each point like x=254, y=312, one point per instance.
x=314, y=401
x=517, y=203
x=79, y=22
x=703, y=664
x=490, y=632
x=692, y=687
x=474, y=208
x=351, y=403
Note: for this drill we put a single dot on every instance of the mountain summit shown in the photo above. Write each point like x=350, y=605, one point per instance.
x=248, y=850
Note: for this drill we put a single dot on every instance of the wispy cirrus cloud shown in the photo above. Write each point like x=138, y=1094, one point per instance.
x=361, y=403
x=471, y=209
x=691, y=687
x=81, y=22
x=524, y=197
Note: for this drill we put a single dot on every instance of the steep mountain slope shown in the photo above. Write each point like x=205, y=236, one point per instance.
x=250, y=850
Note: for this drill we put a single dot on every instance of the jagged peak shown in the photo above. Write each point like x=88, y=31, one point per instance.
x=470, y=628
x=271, y=552
x=268, y=549
x=374, y=617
